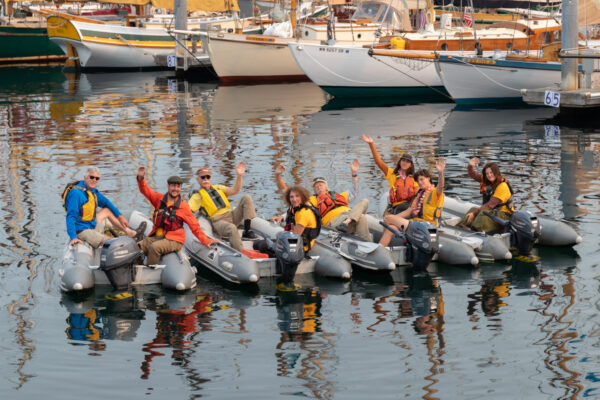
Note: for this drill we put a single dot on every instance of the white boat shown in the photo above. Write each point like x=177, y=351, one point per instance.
x=406, y=68
x=475, y=80
x=143, y=43
x=241, y=58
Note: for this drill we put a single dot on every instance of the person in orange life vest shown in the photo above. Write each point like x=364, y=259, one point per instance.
x=213, y=202
x=403, y=186
x=333, y=207
x=497, y=195
x=81, y=203
x=426, y=206
x=170, y=212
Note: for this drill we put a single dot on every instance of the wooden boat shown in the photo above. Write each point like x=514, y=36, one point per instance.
x=143, y=44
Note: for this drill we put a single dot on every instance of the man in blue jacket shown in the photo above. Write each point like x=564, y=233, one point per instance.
x=81, y=203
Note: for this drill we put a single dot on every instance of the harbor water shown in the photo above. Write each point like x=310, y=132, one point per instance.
x=518, y=330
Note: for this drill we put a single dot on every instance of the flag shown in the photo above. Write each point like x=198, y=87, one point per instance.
x=468, y=20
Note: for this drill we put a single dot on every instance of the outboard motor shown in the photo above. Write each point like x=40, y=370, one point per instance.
x=422, y=243
x=117, y=259
x=421, y=239
x=289, y=251
x=524, y=228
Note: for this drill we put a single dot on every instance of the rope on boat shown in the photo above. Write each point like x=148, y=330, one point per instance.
x=410, y=76
x=492, y=79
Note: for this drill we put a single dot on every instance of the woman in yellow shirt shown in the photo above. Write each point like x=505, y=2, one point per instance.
x=497, y=198
x=301, y=216
x=403, y=186
x=426, y=206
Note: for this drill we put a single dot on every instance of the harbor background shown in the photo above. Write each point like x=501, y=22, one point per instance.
x=517, y=330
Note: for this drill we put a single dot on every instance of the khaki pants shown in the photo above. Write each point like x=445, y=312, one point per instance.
x=225, y=225
x=359, y=225
x=92, y=237
x=483, y=223
x=156, y=246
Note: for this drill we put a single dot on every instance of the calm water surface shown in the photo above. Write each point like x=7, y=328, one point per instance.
x=500, y=331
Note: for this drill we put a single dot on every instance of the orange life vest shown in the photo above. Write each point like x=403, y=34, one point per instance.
x=330, y=200
x=403, y=190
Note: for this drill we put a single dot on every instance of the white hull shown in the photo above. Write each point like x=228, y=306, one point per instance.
x=347, y=66
x=242, y=58
x=474, y=83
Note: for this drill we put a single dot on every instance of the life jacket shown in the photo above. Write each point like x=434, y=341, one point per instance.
x=87, y=212
x=213, y=200
x=428, y=211
x=403, y=190
x=309, y=233
x=330, y=200
x=487, y=192
x=166, y=217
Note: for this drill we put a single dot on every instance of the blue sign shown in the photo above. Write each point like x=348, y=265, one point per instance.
x=171, y=61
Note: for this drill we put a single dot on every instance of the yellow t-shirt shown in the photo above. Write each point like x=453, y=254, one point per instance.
x=433, y=204
x=332, y=214
x=196, y=201
x=391, y=178
x=306, y=218
x=502, y=192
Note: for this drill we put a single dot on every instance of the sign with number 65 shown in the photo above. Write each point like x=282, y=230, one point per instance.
x=551, y=98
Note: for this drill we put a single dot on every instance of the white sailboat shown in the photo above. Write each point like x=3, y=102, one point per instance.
x=477, y=80
x=244, y=58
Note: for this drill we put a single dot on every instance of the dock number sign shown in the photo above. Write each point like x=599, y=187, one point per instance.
x=171, y=61
x=551, y=98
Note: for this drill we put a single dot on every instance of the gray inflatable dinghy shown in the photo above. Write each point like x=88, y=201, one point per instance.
x=116, y=263
x=232, y=265
x=330, y=262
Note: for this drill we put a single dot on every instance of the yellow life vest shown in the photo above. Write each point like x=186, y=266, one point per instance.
x=87, y=212
x=214, y=202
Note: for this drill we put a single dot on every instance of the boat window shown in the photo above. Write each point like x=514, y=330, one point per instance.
x=367, y=10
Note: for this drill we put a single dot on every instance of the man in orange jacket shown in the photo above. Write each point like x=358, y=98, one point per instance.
x=170, y=212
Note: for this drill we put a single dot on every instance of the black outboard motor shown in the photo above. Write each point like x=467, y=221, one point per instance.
x=117, y=259
x=421, y=239
x=524, y=228
x=289, y=251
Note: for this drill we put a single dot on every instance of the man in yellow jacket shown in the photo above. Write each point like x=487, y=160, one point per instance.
x=213, y=203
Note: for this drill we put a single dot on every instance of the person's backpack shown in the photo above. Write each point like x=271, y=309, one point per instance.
x=66, y=191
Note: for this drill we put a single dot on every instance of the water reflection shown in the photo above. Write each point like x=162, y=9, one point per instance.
x=418, y=335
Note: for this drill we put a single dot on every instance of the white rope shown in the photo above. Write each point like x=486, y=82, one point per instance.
x=492, y=79
x=338, y=75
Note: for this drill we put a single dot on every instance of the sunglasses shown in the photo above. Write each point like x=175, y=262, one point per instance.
x=94, y=178
x=204, y=177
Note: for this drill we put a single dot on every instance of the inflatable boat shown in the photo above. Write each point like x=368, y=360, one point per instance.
x=245, y=267
x=116, y=263
x=551, y=232
x=330, y=263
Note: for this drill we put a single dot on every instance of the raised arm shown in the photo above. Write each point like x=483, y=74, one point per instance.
x=440, y=165
x=279, y=170
x=237, y=187
x=353, y=190
x=380, y=163
x=473, y=162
